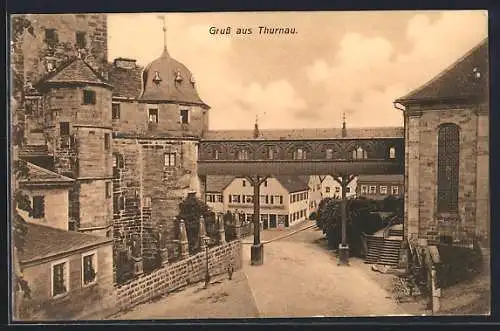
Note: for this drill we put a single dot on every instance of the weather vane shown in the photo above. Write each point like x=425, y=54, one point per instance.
x=162, y=17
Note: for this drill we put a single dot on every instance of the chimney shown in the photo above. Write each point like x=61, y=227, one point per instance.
x=124, y=63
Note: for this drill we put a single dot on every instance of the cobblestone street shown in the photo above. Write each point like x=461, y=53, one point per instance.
x=299, y=278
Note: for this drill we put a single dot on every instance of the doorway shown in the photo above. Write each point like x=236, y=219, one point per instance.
x=265, y=221
x=272, y=220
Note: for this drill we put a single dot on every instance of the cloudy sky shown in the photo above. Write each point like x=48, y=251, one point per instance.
x=352, y=62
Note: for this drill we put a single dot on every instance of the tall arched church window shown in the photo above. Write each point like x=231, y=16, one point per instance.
x=299, y=154
x=242, y=154
x=448, y=168
x=359, y=153
x=392, y=153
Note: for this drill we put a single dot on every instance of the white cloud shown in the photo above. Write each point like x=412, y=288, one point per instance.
x=366, y=76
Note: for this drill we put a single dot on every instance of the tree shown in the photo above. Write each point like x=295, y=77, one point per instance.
x=190, y=210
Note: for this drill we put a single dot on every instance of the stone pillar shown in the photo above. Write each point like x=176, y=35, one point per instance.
x=183, y=240
x=237, y=225
x=222, y=233
x=162, y=242
x=203, y=233
x=136, y=256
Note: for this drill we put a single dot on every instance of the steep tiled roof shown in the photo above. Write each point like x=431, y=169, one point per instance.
x=218, y=183
x=311, y=134
x=459, y=81
x=39, y=175
x=381, y=179
x=293, y=183
x=44, y=242
x=126, y=82
x=74, y=71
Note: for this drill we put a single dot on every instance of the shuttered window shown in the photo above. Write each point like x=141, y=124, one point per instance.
x=448, y=162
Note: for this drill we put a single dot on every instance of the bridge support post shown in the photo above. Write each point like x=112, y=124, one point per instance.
x=343, y=252
x=257, y=249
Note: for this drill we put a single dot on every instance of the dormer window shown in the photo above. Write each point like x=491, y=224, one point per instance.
x=476, y=73
x=157, y=78
x=178, y=77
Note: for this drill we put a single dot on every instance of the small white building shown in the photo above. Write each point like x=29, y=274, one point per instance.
x=330, y=188
x=284, y=201
x=315, y=194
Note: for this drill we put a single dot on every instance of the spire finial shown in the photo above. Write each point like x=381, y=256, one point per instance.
x=256, y=127
x=344, y=128
x=162, y=17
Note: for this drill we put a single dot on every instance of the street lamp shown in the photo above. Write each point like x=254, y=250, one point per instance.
x=206, y=240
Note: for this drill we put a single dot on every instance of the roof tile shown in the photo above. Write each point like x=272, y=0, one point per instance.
x=43, y=242
x=458, y=81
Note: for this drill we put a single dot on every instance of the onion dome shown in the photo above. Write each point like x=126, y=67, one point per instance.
x=167, y=80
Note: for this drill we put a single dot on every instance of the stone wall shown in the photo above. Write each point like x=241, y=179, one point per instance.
x=422, y=127
x=38, y=52
x=134, y=119
x=179, y=274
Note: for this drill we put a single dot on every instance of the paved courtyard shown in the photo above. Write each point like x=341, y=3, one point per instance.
x=299, y=278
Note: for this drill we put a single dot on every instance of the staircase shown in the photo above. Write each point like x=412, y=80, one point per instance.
x=396, y=231
x=383, y=251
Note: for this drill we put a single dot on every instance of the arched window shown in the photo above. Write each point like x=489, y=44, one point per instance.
x=359, y=153
x=448, y=168
x=392, y=153
x=243, y=154
x=270, y=153
x=215, y=154
x=299, y=154
x=329, y=153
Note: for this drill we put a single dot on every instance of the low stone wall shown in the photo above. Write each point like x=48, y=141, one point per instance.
x=178, y=274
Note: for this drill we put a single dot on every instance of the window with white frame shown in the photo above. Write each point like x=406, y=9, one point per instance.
x=347, y=189
x=248, y=199
x=299, y=154
x=153, y=115
x=337, y=189
x=169, y=159
x=235, y=198
x=373, y=189
x=218, y=198
x=395, y=190
x=383, y=189
x=359, y=153
x=364, y=189
x=89, y=268
x=59, y=278
x=327, y=189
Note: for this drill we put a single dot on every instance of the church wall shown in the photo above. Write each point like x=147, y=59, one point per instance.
x=422, y=169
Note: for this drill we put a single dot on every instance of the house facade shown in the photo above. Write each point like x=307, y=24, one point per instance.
x=70, y=274
x=284, y=201
x=330, y=188
x=447, y=154
x=379, y=187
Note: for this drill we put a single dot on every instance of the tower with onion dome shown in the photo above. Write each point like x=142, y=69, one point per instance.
x=158, y=119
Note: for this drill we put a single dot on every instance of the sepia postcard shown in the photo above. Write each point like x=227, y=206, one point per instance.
x=249, y=165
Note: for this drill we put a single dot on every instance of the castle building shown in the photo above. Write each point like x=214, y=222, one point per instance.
x=128, y=136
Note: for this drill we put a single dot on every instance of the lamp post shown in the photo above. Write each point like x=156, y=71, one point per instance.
x=206, y=240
